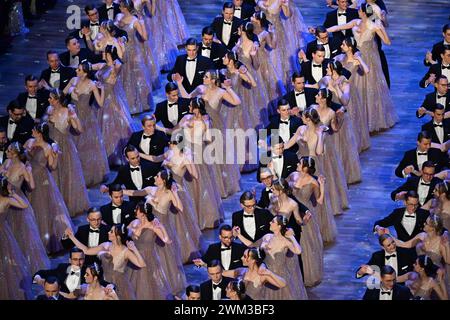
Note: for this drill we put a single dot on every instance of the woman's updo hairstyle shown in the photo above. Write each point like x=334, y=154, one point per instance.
x=312, y=114
x=282, y=222
x=427, y=264
x=309, y=163
x=257, y=254
x=199, y=103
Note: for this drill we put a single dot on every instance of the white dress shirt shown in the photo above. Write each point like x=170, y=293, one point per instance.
x=110, y=12
x=439, y=131
x=55, y=78
x=278, y=165
x=409, y=222
x=442, y=100
x=422, y=190
x=421, y=159
x=217, y=293
x=2, y=153
x=249, y=225
x=226, y=256
x=392, y=261
x=226, y=32
x=327, y=49
x=74, y=62
x=11, y=129
x=316, y=72
x=93, y=238
x=136, y=176
x=300, y=98
x=284, y=131
x=341, y=19
x=238, y=12
x=145, y=144
x=116, y=214
x=446, y=72
x=206, y=53
x=73, y=280
x=385, y=297
x=31, y=106
x=172, y=113
x=191, y=66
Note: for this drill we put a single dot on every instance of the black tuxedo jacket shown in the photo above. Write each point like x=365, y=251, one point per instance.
x=217, y=26
x=206, y=289
x=247, y=10
x=438, y=48
x=412, y=183
x=148, y=172
x=44, y=297
x=76, y=33
x=161, y=112
x=85, y=55
x=82, y=235
x=66, y=73
x=429, y=126
x=335, y=47
x=289, y=164
x=332, y=20
x=399, y=293
x=310, y=97
x=262, y=221
x=306, y=67
x=158, y=142
x=218, y=51
x=3, y=156
x=60, y=272
x=436, y=69
x=42, y=101
x=405, y=260
x=103, y=13
x=127, y=213
x=23, y=128
x=430, y=103
x=203, y=65
x=264, y=201
x=214, y=253
x=410, y=158
x=294, y=123
x=395, y=219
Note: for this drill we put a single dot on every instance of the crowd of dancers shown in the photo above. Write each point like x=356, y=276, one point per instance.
x=253, y=68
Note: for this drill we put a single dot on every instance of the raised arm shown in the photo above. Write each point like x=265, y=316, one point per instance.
x=297, y=136
x=74, y=121
x=272, y=278
x=410, y=243
x=229, y=95
x=381, y=32
x=134, y=256
x=140, y=28
x=342, y=27
x=28, y=176
x=293, y=244
x=363, y=66
x=16, y=201
x=87, y=251
x=99, y=95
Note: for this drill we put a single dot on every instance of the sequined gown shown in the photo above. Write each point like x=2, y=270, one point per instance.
x=114, y=117
x=135, y=76
x=150, y=282
x=357, y=114
x=50, y=210
x=69, y=173
x=24, y=226
x=173, y=17
x=15, y=275
x=90, y=145
x=255, y=290
x=376, y=98
x=311, y=240
x=115, y=271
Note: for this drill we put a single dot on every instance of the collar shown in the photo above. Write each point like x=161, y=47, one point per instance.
x=217, y=283
x=222, y=246
x=421, y=180
x=390, y=254
x=133, y=167
x=384, y=289
x=111, y=6
x=446, y=43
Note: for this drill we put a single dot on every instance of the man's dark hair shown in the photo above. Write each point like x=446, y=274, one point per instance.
x=214, y=263
x=246, y=195
x=192, y=288
x=75, y=250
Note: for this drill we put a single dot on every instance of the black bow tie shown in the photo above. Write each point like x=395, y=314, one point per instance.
x=325, y=44
x=446, y=67
x=30, y=97
x=425, y=184
x=75, y=55
x=248, y=215
x=146, y=137
x=135, y=169
x=317, y=65
x=73, y=272
x=11, y=121
x=94, y=24
x=439, y=96
x=284, y=122
x=225, y=249
x=391, y=256
x=228, y=23
x=173, y=104
x=342, y=14
x=386, y=292
x=55, y=71
x=422, y=153
x=269, y=190
x=206, y=48
x=191, y=60
x=409, y=216
x=110, y=8
x=215, y=286
x=277, y=157
x=237, y=9
x=92, y=230
x=114, y=207
x=437, y=125
x=299, y=93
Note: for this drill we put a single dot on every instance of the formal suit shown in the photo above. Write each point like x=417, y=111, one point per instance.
x=162, y=112
x=217, y=26
x=214, y=253
x=148, y=171
x=103, y=11
x=310, y=97
x=262, y=223
x=85, y=55
x=435, y=69
x=332, y=20
x=264, y=200
x=82, y=235
x=65, y=74
x=306, y=67
x=245, y=11
x=126, y=213
x=430, y=127
x=158, y=142
x=410, y=158
x=333, y=44
x=405, y=260
x=294, y=123
x=23, y=128
x=95, y=30
x=412, y=184
x=61, y=272
x=44, y=297
x=438, y=48
x=206, y=288
x=41, y=102
x=399, y=292
x=216, y=53
x=290, y=161
x=202, y=65
x=395, y=219
x=430, y=102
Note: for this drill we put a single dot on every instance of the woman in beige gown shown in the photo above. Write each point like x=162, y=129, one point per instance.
x=93, y=290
